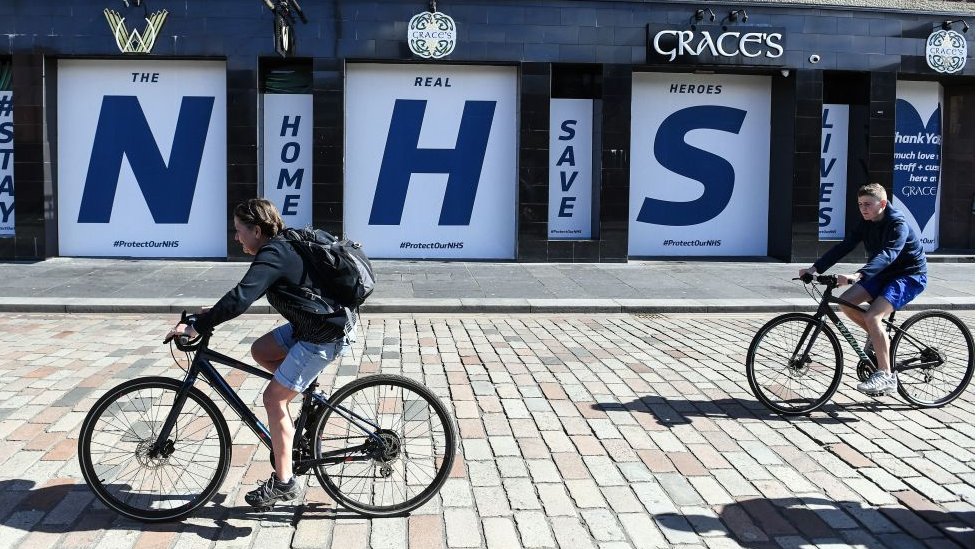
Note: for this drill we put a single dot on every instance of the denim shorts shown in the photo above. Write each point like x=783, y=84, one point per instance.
x=305, y=361
x=899, y=291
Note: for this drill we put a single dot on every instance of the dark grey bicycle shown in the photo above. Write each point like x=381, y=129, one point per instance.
x=155, y=448
x=795, y=362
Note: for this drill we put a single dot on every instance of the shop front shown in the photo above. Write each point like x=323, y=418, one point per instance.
x=574, y=131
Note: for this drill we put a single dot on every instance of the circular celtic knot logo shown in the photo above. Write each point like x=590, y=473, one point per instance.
x=431, y=34
x=945, y=51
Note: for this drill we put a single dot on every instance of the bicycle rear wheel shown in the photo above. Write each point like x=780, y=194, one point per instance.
x=114, y=444
x=940, y=347
x=405, y=470
x=794, y=364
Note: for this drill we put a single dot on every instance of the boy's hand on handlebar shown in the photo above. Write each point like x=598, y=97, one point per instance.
x=845, y=279
x=806, y=275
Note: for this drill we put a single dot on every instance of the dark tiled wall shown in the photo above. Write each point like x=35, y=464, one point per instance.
x=327, y=86
x=881, y=128
x=242, y=145
x=782, y=142
x=806, y=165
x=615, y=188
x=533, y=168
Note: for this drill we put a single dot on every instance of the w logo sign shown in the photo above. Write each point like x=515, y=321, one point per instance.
x=133, y=41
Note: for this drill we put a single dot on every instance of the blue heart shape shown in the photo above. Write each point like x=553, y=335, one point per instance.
x=917, y=188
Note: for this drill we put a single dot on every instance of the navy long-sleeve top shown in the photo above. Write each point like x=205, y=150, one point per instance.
x=278, y=271
x=892, y=246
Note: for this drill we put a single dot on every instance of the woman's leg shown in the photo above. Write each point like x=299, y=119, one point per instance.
x=267, y=352
x=276, y=399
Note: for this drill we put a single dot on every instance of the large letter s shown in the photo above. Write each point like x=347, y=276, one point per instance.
x=712, y=171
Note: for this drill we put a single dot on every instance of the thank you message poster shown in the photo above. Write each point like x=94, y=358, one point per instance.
x=570, y=169
x=833, y=171
x=699, y=169
x=918, y=157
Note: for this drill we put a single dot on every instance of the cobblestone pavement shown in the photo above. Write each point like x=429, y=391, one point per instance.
x=576, y=431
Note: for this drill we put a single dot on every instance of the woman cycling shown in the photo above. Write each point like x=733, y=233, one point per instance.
x=296, y=352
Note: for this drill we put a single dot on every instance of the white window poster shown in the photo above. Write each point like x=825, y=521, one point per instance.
x=431, y=160
x=918, y=157
x=6, y=164
x=833, y=171
x=142, y=158
x=699, y=168
x=287, y=147
x=570, y=169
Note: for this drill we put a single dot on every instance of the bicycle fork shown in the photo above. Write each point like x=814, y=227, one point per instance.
x=798, y=360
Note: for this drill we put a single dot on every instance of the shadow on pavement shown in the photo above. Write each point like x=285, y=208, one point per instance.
x=54, y=509
x=761, y=523
x=671, y=411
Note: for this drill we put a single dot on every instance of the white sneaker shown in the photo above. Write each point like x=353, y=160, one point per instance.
x=879, y=384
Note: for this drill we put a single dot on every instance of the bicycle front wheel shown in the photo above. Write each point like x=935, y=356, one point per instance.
x=399, y=469
x=933, y=355
x=119, y=432
x=794, y=364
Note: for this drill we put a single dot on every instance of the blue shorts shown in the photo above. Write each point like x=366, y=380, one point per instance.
x=304, y=361
x=898, y=291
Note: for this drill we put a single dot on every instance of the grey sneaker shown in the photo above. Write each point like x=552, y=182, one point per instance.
x=273, y=490
x=879, y=384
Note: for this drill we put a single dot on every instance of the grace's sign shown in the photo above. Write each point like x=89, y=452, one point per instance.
x=747, y=45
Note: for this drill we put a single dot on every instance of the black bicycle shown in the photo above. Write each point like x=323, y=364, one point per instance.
x=155, y=448
x=795, y=361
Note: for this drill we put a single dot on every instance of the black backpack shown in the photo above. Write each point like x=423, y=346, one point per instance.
x=339, y=268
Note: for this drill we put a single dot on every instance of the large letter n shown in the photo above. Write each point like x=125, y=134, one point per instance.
x=123, y=131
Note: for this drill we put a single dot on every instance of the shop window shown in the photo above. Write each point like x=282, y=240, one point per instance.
x=286, y=76
x=846, y=88
x=286, y=151
x=5, y=75
x=577, y=82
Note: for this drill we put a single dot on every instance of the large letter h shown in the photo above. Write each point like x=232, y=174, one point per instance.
x=402, y=158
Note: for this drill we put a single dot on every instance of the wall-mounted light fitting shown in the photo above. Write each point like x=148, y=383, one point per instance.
x=735, y=14
x=700, y=14
x=947, y=25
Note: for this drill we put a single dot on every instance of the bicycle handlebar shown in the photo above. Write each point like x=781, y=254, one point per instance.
x=826, y=280
x=183, y=342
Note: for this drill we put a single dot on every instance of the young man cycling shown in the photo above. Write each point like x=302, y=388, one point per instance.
x=894, y=274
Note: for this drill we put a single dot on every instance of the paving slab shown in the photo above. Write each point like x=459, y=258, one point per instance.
x=676, y=451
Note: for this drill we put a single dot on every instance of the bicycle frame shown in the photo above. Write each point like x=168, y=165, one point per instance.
x=202, y=364
x=825, y=309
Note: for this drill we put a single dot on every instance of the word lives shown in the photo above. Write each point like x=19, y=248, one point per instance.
x=828, y=161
